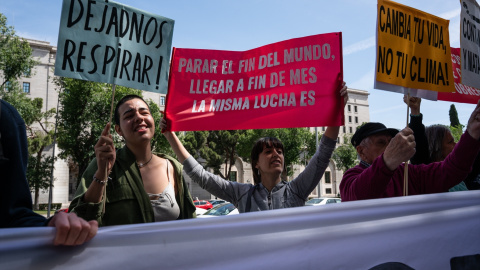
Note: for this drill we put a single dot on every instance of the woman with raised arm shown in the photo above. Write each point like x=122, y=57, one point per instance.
x=142, y=186
x=269, y=191
x=434, y=143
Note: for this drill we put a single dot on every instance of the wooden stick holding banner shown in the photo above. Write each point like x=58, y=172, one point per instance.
x=106, y=167
x=405, y=172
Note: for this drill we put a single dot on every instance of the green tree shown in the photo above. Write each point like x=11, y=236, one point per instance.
x=195, y=142
x=457, y=132
x=298, y=143
x=40, y=134
x=217, y=147
x=454, y=122
x=221, y=149
x=84, y=112
x=15, y=54
x=345, y=156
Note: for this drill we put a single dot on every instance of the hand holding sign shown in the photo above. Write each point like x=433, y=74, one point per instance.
x=400, y=149
x=104, y=153
x=473, y=126
x=344, y=93
x=413, y=103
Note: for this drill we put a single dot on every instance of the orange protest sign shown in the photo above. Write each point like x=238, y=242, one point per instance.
x=413, y=48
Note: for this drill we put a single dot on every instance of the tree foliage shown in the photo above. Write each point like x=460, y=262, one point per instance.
x=454, y=122
x=456, y=132
x=15, y=53
x=217, y=148
x=40, y=134
x=84, y=112
x=39, y=173
x=345, y=156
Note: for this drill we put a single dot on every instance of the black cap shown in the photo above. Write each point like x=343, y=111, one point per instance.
x=370, y=129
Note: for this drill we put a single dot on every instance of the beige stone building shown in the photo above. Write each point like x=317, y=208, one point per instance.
x=41, y=85
x=356, y=113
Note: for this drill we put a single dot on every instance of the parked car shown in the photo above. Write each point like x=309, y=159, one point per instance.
x=216, y=201
x=62, y=210
x=322, y=201
x=200, y=211
x=203, y=204
x=222, y=209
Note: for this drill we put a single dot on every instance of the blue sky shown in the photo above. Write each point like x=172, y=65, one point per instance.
x=247, y=24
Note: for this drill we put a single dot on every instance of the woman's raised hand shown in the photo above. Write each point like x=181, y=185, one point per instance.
x=344, y=93
x=105, y=152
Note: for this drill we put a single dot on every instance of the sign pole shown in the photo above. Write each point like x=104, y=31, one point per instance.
x=104, y=199
x=405, y=173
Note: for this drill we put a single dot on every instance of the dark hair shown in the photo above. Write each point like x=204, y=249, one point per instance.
x=261, y=143
x=123, y=100
x=435, y=135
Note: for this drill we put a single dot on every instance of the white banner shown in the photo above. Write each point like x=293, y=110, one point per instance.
x=470, y=43
x=435, y=231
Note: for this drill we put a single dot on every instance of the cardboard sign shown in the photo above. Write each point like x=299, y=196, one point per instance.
x=108, y=42
x=470, y=43
x=293, y=83
x=413, y=50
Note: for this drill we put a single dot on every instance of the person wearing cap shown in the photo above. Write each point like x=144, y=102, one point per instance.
x=383, y=151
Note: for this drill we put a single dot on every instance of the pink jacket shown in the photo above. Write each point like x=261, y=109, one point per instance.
x=377, y=181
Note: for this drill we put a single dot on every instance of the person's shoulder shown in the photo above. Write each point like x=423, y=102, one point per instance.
x=169, y=158
x=354, y=170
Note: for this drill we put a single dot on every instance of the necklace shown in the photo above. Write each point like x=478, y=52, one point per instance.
x=141, y=165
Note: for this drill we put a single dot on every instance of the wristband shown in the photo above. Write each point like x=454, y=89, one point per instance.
x=103, y=182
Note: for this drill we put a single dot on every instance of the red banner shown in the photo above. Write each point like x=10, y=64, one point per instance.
x=463, y=93
x=293, y=83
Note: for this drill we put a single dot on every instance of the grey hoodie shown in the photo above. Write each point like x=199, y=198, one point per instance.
x=283, y=195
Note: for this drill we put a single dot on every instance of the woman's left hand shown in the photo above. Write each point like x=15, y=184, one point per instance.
x=344, y=93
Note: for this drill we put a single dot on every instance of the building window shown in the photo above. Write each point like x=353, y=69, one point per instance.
x=349, y=108
x=27, y=73
x=323, y=128
x=338, y=139
x=355, y=108
x=344, y=129
x=26, y=87
x=356, y=119
x=327, y=178
x=162, y=101
x=233, y=176
x=349, y=119
x=328, y=191
x=8, y=86
x=350, y=128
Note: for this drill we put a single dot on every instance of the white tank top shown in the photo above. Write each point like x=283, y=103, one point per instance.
x=165, y=206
